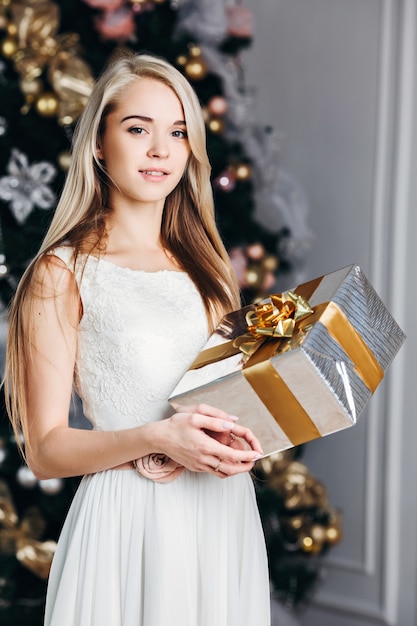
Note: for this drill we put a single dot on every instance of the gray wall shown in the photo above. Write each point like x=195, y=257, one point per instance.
x=338, y=79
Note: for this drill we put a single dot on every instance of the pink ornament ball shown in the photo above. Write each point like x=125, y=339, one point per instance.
x=225, y=181
x=217, y=105
x=116, y=25
x=255, y=251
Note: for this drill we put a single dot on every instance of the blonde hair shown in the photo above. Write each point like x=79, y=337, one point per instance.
x=188, y=227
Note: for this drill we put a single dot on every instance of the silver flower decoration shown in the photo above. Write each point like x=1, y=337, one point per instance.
x=26, y=186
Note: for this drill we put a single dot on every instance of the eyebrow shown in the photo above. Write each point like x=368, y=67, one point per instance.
x=144, y=118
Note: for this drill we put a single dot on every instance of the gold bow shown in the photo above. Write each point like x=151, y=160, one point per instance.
x=279, y=316
x=39, y=48
x=21, y=539
x=36, y=23
x=277, y=319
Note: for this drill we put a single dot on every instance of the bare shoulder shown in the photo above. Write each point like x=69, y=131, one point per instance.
x=53, y=291
x=53, y=277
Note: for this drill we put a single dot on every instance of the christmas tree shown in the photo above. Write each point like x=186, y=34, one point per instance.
x=50, y=54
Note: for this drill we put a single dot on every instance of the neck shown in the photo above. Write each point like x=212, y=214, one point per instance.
x=134, y=240
x=135, y=228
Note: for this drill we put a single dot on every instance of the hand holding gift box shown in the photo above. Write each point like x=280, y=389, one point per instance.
x=300, y=366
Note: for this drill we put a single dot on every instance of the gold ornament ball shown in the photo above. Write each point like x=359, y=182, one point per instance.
x=254, y=277
x=64, y=160
x=333, y=535
x=11, y=29
x=181, y=59
x=216, y=125
x=296, y=522
x=243, y=171
x=31, y=88
x=307, y=544
x=9, y=47
x=195, y=69
x=47, y=104
x=270, y=263
x=318, y=533
x=65, y=120
x=293, y=528
x=194, y=50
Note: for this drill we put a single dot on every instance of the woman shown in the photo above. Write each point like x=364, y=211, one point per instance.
x=130, y=280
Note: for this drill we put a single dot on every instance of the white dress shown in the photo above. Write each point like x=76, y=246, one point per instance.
x=134, y=552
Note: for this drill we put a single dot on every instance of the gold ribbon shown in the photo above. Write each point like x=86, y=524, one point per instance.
x=71, y=79
x=214, y=354
x=37, y=23
x=277, y=397
x=282, y=325
x=346, y=335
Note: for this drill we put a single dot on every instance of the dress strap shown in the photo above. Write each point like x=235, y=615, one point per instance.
x=66, y=254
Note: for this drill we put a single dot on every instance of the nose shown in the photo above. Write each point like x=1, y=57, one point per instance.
x=158, y=147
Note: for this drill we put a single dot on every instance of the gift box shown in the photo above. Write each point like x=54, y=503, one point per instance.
x=300, y=365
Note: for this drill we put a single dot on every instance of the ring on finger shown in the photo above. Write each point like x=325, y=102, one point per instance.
x=232, y=438
x=216, y=469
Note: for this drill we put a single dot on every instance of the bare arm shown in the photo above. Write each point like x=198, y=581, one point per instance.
x=54, y=449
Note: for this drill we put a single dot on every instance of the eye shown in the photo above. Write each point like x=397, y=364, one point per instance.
x=136, y=130
x=180, y=134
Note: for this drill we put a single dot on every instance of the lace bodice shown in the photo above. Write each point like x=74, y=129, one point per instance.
x=139, y=333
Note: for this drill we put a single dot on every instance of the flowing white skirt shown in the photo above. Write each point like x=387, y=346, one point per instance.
x=136, y=553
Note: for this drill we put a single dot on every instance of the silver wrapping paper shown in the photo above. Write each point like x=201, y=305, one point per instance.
x=318, y=372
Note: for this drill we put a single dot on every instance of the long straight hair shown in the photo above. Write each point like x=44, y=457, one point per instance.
x=188, y=227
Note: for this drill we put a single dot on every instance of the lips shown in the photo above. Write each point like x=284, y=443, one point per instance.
x=154, y=173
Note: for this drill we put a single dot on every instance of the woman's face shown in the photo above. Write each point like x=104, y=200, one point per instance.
x=144, y=145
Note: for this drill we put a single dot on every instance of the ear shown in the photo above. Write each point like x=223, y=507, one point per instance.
x=99, y=151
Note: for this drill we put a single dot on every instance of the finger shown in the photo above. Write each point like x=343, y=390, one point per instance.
x=248, y=436
x=228, y=439
x=225, y=469
x=206, y=410
x=229, y=423
x=216, y=425
x=237, y=443
x=237, y=455
x=238, y=431
x=225, y=437
x=215, y=467
x=227, y=428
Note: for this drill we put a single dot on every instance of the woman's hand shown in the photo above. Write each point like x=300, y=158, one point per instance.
x=203, y=438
